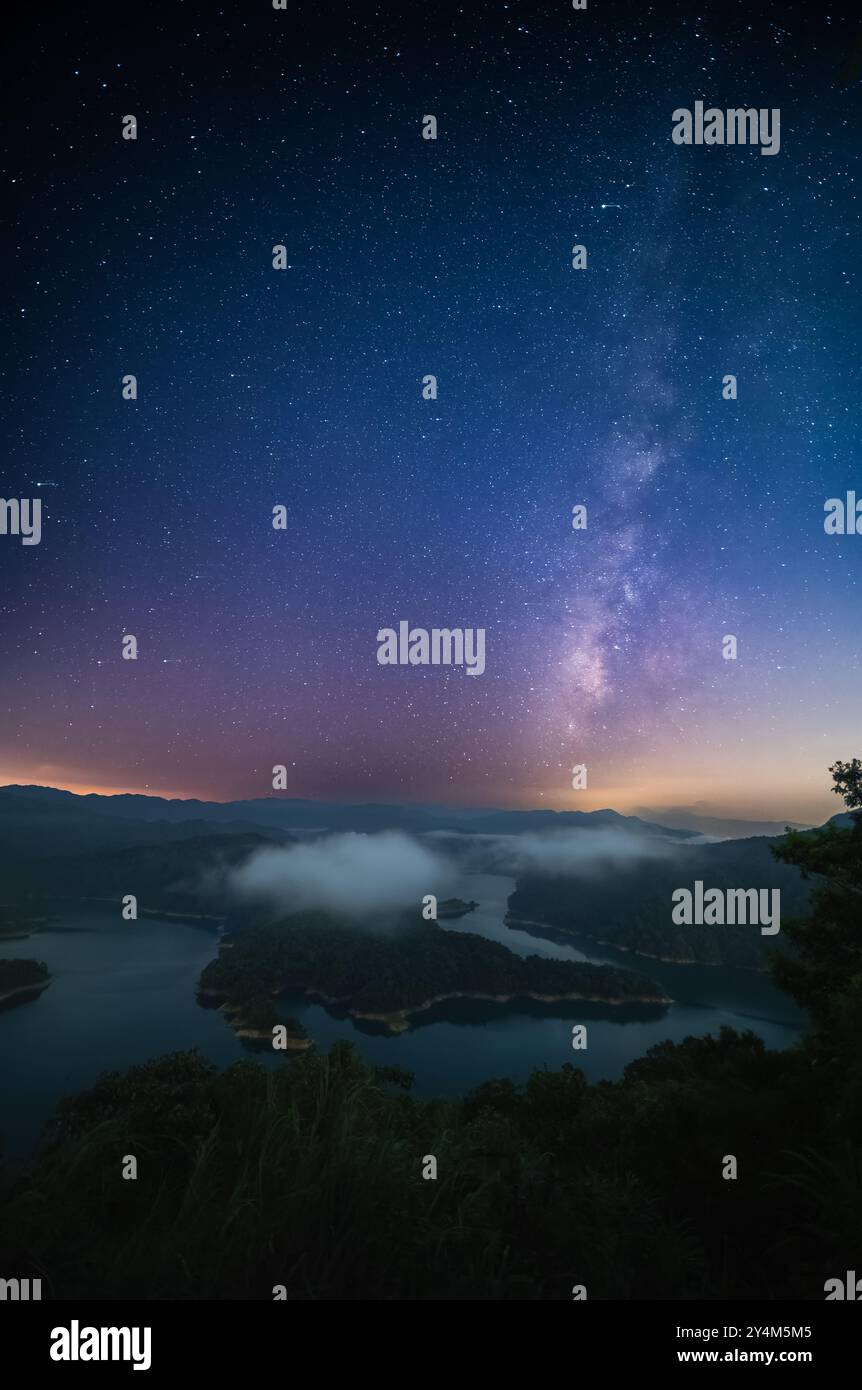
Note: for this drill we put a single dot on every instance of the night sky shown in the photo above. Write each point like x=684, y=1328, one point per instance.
x=557, y=387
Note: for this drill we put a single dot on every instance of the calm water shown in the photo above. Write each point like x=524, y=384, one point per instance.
x=123, y=992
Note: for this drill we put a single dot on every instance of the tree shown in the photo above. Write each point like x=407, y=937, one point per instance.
x=828, y=944
x=848, y=782
x=823, y=972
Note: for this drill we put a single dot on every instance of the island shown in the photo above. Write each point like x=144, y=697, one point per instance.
x=455, y=907
x=254, y=1021
x=21, y=980
x=389, y=975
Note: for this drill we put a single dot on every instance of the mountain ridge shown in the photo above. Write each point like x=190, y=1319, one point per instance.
x=302, y=813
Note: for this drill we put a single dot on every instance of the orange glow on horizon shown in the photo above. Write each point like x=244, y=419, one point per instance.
x=807, y=801
x=88, y=789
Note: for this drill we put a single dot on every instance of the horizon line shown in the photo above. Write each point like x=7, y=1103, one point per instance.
x=388, y=801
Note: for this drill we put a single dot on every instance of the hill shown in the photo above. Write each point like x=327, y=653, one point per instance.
x=61, y=808
x=631, y=908
x=186, y=876
x=392, y=974
x=37, y=823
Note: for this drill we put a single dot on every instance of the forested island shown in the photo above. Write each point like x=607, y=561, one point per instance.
x=386, y=976
x=21, y=980
x=455, y=907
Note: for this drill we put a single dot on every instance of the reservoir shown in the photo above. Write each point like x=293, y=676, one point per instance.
x=124, y=992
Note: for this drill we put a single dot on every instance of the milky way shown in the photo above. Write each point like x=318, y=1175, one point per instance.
x=557, y=387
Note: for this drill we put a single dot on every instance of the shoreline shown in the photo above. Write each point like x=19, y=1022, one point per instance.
x=398, y=1020
x=27, y=927
x=258, y=1035
x=576, y=932
x=27, y=990
x=232, y=1014
x=190, y=917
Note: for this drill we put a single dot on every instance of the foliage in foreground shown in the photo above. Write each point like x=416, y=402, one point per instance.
x=311, y=1176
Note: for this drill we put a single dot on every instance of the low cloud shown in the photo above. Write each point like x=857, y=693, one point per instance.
x=352, y=875
x=586, y=852
x=566, y=853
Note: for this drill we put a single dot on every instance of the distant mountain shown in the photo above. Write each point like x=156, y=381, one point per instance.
x=36, y=822
x=295, y=814
x=723, y=827
x=263, y=811
x=517, y=822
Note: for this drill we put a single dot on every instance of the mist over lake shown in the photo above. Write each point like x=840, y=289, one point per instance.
x=125, y=991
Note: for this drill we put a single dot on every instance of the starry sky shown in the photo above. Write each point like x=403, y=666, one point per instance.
x=556, y=387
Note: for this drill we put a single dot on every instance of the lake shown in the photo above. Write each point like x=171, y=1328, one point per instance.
x=123, y=992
